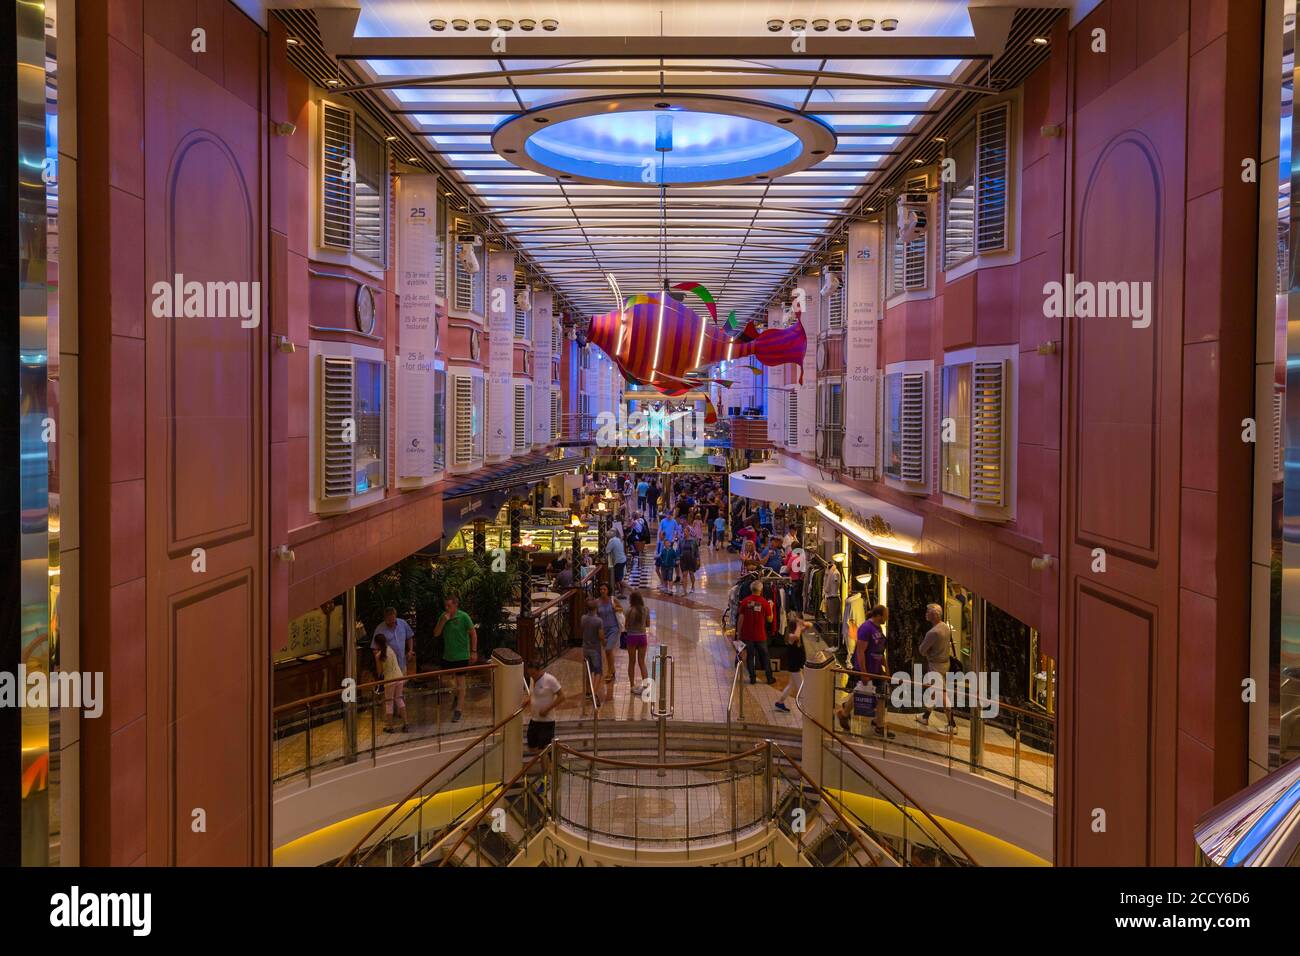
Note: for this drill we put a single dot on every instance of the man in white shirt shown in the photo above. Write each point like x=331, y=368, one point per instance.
x=617, y=559
x=543, y=697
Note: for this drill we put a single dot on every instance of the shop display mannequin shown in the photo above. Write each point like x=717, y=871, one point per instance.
x=855, y=615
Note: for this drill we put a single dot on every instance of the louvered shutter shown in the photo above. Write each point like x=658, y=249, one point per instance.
x=1279, y=403
x=521, y=324
x=481, y=400
x=993, y=151
x=521, y=418
x=337, y=457
x=463, y=281
x=555, y=415
x=988, y=465
x=462, y=419
x=336, y=183
x=912, y=428
x=792, y=417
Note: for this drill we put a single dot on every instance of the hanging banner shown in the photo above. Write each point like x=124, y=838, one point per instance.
x=543, y=320
x=501, y=357
x=862, y=289
x=417, y=252
x=812, y=323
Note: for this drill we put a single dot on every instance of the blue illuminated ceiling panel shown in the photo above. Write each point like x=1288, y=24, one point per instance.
x=588, y=212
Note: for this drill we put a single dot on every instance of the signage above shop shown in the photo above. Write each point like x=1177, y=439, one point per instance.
x=875, y=523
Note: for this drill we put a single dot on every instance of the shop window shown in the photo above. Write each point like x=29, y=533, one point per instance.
x=975, y=459
x=353, y=209
x=904, y=427
x=976, y=197
x=352, y=446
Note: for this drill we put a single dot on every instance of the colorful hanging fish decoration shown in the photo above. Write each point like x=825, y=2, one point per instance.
x=655, y=340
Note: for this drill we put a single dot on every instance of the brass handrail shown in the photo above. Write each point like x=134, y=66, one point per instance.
x=448, y=765
x=866, y=675
x=467, y=829
x=302, y=702
x=658, y=765
x=830, y=801
x=884, y=776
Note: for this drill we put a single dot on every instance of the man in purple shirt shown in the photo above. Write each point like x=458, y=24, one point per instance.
x=869, y=658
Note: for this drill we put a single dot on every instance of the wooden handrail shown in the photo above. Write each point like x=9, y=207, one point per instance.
x=347, y=857
x=1001, y=706
x=889, y=780
x=852, y=828
x=302, y=702
x=487, y=805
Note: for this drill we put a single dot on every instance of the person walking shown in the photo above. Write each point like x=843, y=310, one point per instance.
x=617, y=559
x=390, y=672
x=609, y=610
x=755, y=615
x=795, y=658
x=936, y=650
x=542, y=698
x=652, y=500
x=869, y=658
x=638, y=639
x=400, y=639
x=459, y=645
x=690, y=560
x=593, y=646
x=667, y=564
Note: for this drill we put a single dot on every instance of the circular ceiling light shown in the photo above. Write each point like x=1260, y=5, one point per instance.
x=527, y=24
x=843, y=25
x=461, y=25
x=867, y=24
x=821, y=26
x=550, y=25
x=436, y=24
x=776, y=26
x=889, y=24
x=696, y=141
x=482, y=24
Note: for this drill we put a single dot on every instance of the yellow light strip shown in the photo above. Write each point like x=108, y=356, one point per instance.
x=863, y=535
x=659, y=334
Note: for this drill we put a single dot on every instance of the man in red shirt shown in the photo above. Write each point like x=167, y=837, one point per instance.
x=754, y=615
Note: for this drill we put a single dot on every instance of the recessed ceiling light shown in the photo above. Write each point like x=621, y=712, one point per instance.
x=508, y=151
x=437, y=24
x=866, y=24
x=291, y=41
x=482, y=24
x=871, y=209
x=333, y=81
x=843, y=25
x=551, y=25
x=540, y=119
x=776, y=25
x=506, y=24
x=918, y=161
x=412, y=159
x=461, y=25
x=890, y=24
x=1040, y=41
x=941, y=139
x=798, y=24
x=821, y=26
x=818, y=152
x=662, y=106
x=390, y=139
x=784, y=120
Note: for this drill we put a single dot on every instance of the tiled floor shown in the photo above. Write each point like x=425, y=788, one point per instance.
x=690, y=627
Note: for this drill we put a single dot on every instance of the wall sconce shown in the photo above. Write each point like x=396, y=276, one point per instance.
x=285, y=553
x=1051, y=132
x=1041, y=563
x=283, y=344
x=284, y=129
x=1047, y=348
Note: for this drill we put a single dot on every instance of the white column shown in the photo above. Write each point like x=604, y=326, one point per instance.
x=501, y=357
x=507, y=694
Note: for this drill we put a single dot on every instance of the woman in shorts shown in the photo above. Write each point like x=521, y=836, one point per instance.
x=638, y=629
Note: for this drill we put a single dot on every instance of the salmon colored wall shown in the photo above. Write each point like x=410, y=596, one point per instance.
x=174, y=435
x=334, y=552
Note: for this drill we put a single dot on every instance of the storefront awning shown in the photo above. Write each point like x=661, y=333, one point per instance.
x=767, y=482
x=873, y=523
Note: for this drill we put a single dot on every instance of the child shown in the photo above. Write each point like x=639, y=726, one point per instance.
x=668, y=565
x=719, y=531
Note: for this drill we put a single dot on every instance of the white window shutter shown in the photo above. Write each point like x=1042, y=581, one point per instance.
x=555, y=415
x=912, y=428
x=521, y=324
x=988, y=466
x=792, y=417
x=337, y=182
x=991, y=171
x=462, y=419
x=463, y=280
x=521, y=418
x=337, y=463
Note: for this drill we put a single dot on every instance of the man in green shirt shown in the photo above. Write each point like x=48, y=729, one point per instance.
x=459, y=645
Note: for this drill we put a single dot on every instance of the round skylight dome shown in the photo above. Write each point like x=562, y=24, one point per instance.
x=653, y=140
